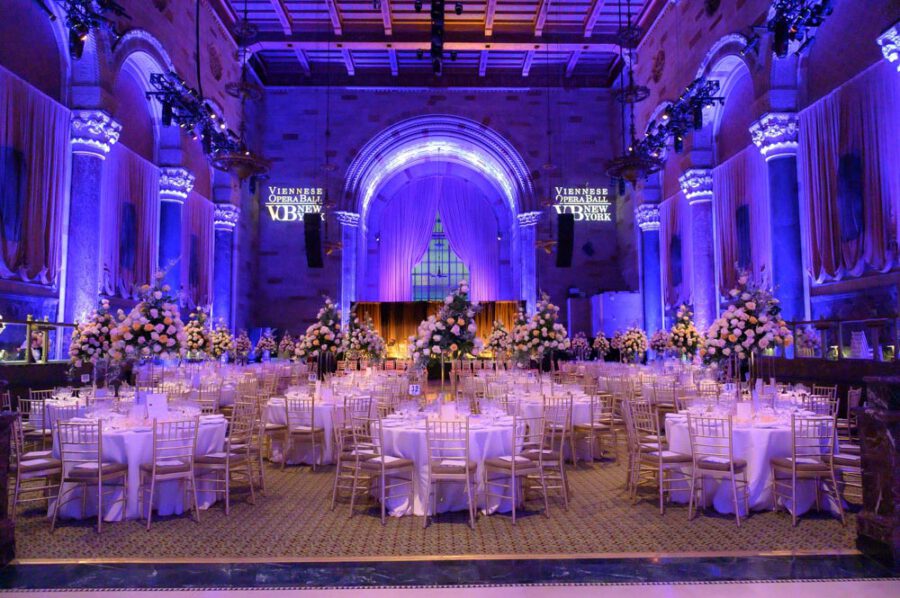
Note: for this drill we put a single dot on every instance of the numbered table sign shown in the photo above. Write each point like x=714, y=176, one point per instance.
x=415, y=390
x=312, y=378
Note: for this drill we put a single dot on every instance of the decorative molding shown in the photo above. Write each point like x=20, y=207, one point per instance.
x=174, y=184
x=94, y=132
x=647, y=217
x=529, y=218
x=776, y=134
x=890, y=44
x=697, y=185
x=347, y=218
x=138, y=40
x=732, y=38
x=226, y=216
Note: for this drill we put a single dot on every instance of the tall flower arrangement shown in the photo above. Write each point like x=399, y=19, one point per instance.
x=580, y=345
x=750, y=324
x=197, y=333
x=500, y=340
x=808, y=341
x=684, y=338
x=601, y=345
x=543, y=333
x=286, y=346
x=153, y=329
x=242, y=346
x=265, y=344
x=220, y=341
x=451, y=334
x=659, y=342
x=362, y=340
x=632, y=343
x=92, y=339
x=324, y=336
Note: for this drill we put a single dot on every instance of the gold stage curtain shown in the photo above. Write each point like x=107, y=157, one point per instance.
x=397, y=321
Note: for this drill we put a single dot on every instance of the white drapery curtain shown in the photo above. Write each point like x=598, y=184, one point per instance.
x=34, y=150
x=197, y=244
x=674, y=222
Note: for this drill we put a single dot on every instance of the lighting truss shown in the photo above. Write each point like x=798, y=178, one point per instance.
x=680, y=117
x=792, y=21
x=84, y=16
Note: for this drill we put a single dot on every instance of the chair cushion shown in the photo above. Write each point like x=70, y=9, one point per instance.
x=452, y=466
x=307, y=431
x=219, y=458
x=523, y=463
x=37, y=454
x=389, y=463
x=596, y=426
x=721, y=464
x=803, y=464
x=850, y=449
x=666, y=457
x=90, y=470
x=549, y=455
x=39, y=464
x=270, y=427
x=167, y=466
x=847, y=460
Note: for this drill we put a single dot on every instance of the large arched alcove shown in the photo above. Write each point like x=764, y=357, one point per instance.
x=34, y=47
x=409, y=172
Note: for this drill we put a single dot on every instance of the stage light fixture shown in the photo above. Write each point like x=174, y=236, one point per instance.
x=420, y=53
x=678, y=143
x=167, y=114
x=453, y=55
x=458, y=8
x=418, y=5
x=698, y=117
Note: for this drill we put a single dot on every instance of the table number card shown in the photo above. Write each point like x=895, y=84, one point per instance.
x=157, y=405
x=312, y=377
x=415, y=390
x=85, y=378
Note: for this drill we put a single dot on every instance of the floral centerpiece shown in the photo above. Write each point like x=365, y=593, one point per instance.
x=153, y=329
x=601, y=345
x=242, y=346
x=449, y=335
x=92, y=338
x=362, y=340
x=500, y=340
x=684, y=338
x=543, y=333
x=286, y=346
x=266, y=345
x=197, y=333
x=580, y=345
x=750, y=325
x=324, y=337
x=659, y=342
x=632, y=343
x=808, y=341
x=519, y=344
x=220, y=341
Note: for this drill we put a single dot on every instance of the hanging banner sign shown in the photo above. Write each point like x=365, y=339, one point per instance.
x=588, y=204
x=289, y=204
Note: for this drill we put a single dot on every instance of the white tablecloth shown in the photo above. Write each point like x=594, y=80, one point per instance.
x=325, y=416
x=406, y=439
x=533, y=406
x=134, y=447
x=755, y=444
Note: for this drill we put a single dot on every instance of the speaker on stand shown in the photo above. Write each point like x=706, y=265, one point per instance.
x=565, y=239
x=312, y=234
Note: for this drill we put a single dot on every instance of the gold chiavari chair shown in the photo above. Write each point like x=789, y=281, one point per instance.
x=820, y=405
x=5, y=401
x=712, y=451
x=174, y=451
x=81, y=452
x=208, y=396
x=655, y=463
x=31, y=467
x=847, y=426
x=301, y=428
x=824, y=390
x=812, y=443
x=599, y=427
x=35, y=423
x=449, y=460
x=557, y=416
x=235, y=460
x=388, y=471
x=517, y=469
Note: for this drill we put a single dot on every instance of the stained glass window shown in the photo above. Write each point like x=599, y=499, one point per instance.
x=439, y=270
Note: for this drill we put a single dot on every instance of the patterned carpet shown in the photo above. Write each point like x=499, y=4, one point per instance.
x=294, y=520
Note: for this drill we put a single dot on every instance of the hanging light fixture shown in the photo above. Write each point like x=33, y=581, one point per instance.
x=240, y=161
x=328, y=205
x=635, y=163
x=84, y=16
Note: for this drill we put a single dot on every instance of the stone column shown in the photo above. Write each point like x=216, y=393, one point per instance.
x=349, y=222
x=527, y=236
x=647, y=218
x=225, y=221
x=696, y=184
x=174, y=185
x=775, y=134
x=94, y=132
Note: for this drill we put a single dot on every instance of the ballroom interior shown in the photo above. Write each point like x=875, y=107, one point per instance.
x=554, y=295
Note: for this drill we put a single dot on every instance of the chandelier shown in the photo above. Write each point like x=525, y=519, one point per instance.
x=84, y=16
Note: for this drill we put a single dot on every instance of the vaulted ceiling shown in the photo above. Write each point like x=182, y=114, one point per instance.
x=386, y=42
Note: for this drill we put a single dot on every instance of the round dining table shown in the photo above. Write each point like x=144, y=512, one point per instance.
x=130, y=442
x=405, y=437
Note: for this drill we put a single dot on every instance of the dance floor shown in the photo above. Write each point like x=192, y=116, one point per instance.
x=293, y=521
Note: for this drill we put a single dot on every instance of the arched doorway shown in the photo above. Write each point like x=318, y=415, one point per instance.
x=431, y=168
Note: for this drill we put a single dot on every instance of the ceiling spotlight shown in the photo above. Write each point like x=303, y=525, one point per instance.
x=453, y=55
x=420, y=53
x=418, y=5
x=678, y=143
x=76, y=44
x=458, y=8
x=167, y=114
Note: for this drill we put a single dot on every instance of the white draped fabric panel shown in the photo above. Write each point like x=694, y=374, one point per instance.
x=674, y=220
x=406, y=226
x=198, y=240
